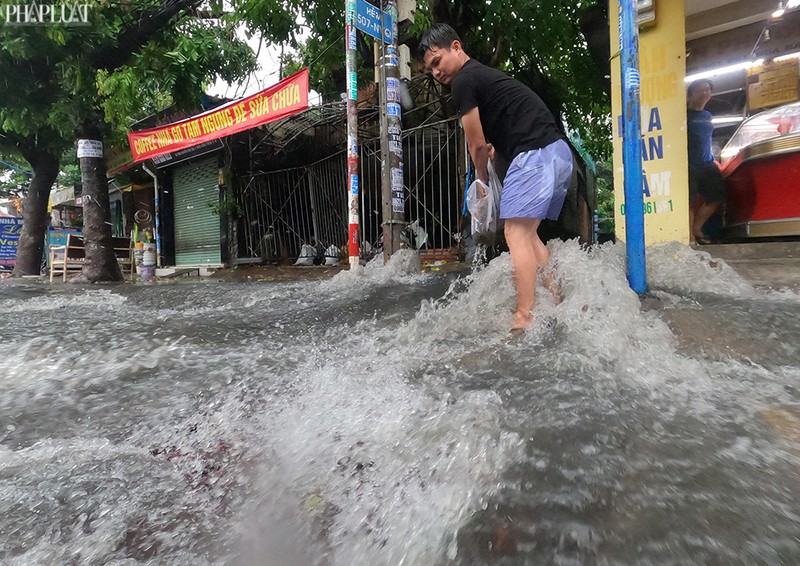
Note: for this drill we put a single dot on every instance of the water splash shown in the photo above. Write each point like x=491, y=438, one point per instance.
x=404, y=266
x=388, y=419
x=682, y=270
x=95, y=299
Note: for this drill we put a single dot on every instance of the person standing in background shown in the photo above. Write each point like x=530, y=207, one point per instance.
x=705, y=178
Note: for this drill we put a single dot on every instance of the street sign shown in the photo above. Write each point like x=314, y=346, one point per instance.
x=368, y=20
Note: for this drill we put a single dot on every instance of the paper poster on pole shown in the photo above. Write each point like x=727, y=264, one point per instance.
x=90, y=148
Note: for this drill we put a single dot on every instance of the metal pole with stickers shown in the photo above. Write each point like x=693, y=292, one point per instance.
x=393, y=190
x=382, y=26
x=353, y=238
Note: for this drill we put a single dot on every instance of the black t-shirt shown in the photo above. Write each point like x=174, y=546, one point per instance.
x=513, y=117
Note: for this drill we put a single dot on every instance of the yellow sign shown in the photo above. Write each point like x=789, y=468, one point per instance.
x=662, y=66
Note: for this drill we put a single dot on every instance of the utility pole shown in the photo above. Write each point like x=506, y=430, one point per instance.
x=631, y=146
x=393, y=190
x=353, y=238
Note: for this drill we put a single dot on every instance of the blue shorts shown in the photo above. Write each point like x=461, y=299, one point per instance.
x=537, y=182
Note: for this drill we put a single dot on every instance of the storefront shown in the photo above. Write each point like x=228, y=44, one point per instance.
x=761, y=164
x=198, y=229
x=131, y=193
x=186, y=160
x=749, y=50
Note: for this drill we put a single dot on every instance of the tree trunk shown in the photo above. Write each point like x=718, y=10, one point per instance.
x=34, y=217
x=101, y=263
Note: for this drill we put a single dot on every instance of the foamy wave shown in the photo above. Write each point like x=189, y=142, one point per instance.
x=782, y=295
x=678, y=268
x=374, y=439
x=600, y=314
x=404, y=266
x=45, y=364
x=100, y=298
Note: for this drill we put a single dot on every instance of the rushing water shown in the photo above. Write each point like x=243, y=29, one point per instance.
x=387, y=419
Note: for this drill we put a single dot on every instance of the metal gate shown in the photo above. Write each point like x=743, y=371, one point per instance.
x=431, y=178
x=283, y=210
x=197, y=225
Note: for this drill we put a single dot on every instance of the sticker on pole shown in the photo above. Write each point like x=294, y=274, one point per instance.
x=351, y=38
x=352, y=84
x=632, y=81
x=392, y=89
x=397, y=178
x=90, y=148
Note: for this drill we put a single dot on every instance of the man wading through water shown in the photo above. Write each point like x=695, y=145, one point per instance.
x=502, y=115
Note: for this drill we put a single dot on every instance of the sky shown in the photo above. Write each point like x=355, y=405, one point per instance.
x=267, y=75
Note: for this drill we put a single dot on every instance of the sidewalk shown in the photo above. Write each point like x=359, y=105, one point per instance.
x=768, y=264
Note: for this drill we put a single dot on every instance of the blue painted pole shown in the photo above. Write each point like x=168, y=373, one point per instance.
x=631, y=146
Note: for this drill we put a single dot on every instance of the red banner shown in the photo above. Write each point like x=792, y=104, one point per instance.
x=278, y=101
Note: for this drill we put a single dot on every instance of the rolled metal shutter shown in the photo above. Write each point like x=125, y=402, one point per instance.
x=197, y=227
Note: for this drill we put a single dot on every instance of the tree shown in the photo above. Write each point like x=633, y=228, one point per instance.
x=14, y=176
x=70, y=81
x=41, y=151
x=27, y=130
x=541, y=43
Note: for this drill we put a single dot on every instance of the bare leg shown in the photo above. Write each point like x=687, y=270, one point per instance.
x=701, y=217
x=521, y=235
x=543, y=261
x=542, y=253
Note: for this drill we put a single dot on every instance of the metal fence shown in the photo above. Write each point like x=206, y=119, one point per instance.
x=283, y=210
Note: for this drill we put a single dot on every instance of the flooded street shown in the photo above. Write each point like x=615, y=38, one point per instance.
x=388, y=419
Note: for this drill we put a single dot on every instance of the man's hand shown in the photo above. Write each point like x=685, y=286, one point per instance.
x=482, y=188
x=478, y=148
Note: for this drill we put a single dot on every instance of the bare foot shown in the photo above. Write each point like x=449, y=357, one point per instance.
x=521, y=321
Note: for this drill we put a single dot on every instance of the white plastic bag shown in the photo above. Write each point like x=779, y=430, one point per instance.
x=485, y=209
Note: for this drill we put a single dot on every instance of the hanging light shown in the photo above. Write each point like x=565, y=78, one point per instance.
x=743, y=66
x=780, y=11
